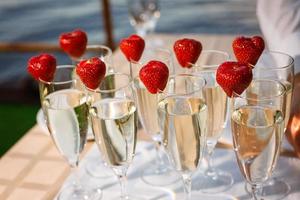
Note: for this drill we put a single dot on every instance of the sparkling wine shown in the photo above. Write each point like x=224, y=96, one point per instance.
x=114, y=123
x=147, y=104
x=67, y=121
x=183, y=121
x=257, y=133
x=216, y=101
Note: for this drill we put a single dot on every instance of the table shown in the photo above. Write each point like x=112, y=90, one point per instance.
x=33, y=169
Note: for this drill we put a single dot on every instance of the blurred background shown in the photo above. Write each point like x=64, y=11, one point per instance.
x=25, y=24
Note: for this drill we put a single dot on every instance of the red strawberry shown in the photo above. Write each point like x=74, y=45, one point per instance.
x=73, y=43
x=187, y=51
x=248, y=50
x=91, y=72
x=132, y=47
x=154, y=75
x=42, y=67
x=234, y=76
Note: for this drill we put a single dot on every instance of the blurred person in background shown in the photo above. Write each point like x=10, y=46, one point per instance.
x=279, y=21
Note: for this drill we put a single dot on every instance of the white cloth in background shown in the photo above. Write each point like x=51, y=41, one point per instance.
x=279, y=21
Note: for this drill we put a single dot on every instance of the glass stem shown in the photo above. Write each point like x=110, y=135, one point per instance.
x=187, y=184
x=130, y=69
x=122, y=176
x=141, y=32
x=75, y=173
x=254, y=189
x=159, y=157
x=271, y=181
x=210, y=151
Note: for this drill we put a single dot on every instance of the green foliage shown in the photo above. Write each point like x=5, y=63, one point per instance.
x=15, y=121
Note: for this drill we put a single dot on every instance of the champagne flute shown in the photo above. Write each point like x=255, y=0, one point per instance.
x=160, y=172
x=213, y=180
x=114, y=122
x=257, y=124
x=276, y=66
x=97, y=168
x=143, y=15
x=183, y=121
x=66, y=115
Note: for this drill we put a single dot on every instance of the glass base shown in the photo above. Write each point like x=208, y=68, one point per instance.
x=129, y=198
x=199, y=195
x=213, y=182
x=160, y=177
x=273, y=189
x=79, y=193
x=144, y=193
x=98, y=169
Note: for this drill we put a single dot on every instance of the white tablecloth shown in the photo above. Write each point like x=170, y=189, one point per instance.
x=287, y=169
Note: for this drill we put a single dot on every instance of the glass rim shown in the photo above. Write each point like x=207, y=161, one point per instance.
x=168, y=94
x=270, y=52
x=236, y=95
x=159, y=49
x=215, y=51
x=60, y=82
x=164, y=50
x=213, y=67
x=95, y=46
x=98, y=90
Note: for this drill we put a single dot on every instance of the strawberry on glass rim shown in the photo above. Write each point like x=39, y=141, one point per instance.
x=187, y=51
x=73, y=43
x=234, y=77
x=132, y=47
x=154, y=76
x=248, y=50
x=91, y=72
x=42, y=67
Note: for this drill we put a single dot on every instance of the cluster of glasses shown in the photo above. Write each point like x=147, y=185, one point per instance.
x=185, y=121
